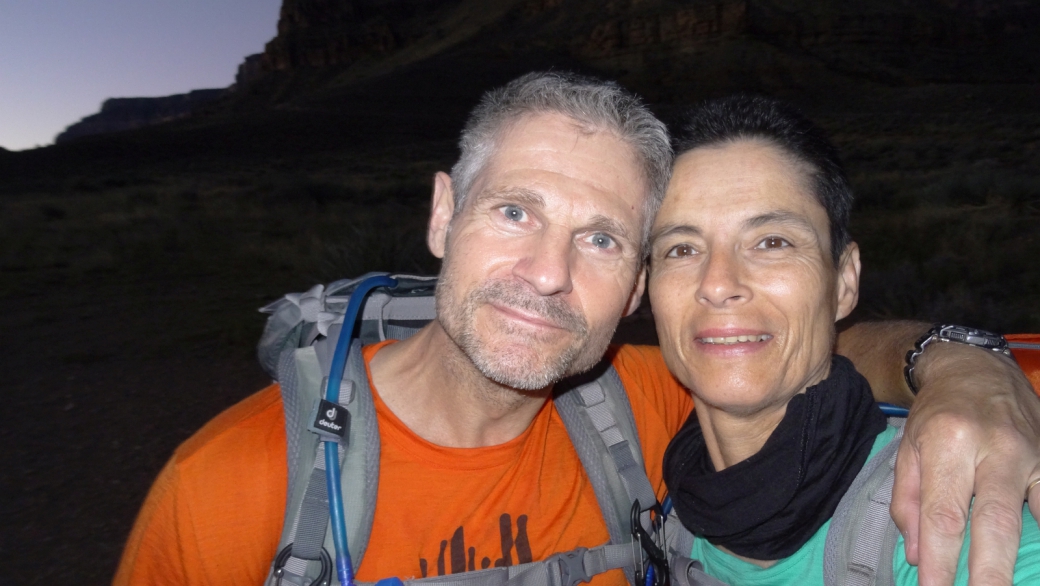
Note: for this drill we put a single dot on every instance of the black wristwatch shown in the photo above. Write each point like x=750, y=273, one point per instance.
x=951, y=333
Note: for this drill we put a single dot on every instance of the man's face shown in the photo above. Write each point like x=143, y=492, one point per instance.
x=543, y=259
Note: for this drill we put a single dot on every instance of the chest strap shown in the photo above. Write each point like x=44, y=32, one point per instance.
x=561, y=569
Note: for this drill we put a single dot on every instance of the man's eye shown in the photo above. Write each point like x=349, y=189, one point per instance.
x=514, y=213
x=773, y=242
x=600, y=240
x=680, y=251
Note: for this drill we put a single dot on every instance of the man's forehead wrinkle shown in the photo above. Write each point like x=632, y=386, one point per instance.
x=518, y=194
x=602, y=223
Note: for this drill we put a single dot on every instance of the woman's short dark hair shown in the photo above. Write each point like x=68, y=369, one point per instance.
x=749, y=117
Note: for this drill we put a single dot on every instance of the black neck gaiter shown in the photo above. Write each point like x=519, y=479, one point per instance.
x=771, y=504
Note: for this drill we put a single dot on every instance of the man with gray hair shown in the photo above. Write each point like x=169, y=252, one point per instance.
x=542, y=227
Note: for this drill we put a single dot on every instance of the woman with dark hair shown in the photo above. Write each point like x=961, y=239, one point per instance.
x=751, y=265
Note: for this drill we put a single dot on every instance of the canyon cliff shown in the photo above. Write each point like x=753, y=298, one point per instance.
x=669, y=50
x=129, y=113
x=652, y=41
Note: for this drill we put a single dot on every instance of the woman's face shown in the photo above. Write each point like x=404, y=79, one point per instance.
x=742, y=283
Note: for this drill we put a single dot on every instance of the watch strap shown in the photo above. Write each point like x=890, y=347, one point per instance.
x=956, y=334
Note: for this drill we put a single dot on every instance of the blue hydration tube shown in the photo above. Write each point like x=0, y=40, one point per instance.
x=344, y=568
x=891, y=410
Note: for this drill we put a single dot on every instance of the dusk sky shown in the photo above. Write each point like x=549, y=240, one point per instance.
x=59, y=59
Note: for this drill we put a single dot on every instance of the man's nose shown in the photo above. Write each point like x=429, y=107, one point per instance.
x=721, y=282
x=547, y=266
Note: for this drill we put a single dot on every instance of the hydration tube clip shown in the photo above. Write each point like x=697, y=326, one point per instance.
x=330, y=421
x=653, y=567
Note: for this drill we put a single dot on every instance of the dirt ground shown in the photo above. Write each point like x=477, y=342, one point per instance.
x=101, y=382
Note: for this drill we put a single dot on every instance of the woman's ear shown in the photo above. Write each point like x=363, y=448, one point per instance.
x=848, y=281
x=441, y=210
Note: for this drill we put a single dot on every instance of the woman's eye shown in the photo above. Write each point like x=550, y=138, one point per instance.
x=600, y=240
x=514, y=213
x=680, y=251
x=773, y=242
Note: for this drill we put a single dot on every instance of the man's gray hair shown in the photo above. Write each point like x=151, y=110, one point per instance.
x=595, y=104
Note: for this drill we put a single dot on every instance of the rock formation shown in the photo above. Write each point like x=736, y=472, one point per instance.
x=250, y=69
x=668, y=50
x=128, y=113
x=895, y=40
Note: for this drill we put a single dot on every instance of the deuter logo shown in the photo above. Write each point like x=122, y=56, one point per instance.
x=330, y=425
x=331, y=420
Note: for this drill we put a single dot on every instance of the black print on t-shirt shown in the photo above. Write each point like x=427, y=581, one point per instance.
x=460, y=559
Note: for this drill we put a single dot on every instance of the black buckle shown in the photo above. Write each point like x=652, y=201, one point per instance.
x=655, y=562
x=572, y=567
x=324, y=577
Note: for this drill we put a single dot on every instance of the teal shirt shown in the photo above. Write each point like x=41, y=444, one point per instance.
x=805, y=567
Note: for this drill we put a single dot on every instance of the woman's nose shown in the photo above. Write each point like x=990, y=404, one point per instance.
x=721, y=282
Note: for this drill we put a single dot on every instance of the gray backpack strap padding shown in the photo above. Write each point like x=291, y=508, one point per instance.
x=300, y=378
x=361, y=466
x=307, y=513
x=386, y=314
x=602, y=428
x=298, y=319
x=862, y=537
x=291, y=405
x=387, y=317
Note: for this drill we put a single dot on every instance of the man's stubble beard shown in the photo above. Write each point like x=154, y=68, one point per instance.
x=525, y=371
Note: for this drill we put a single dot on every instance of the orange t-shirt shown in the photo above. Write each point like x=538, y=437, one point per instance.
x=214, y=515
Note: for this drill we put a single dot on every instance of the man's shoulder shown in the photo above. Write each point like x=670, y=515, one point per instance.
x=214, y=513
x=250, y=429
x=636, y=354
x=641, y=368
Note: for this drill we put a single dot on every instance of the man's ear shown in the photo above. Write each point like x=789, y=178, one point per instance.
x=637, y=293
x=441, y=211
x=848, y=281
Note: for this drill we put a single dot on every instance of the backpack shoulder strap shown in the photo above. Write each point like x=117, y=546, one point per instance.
x=598, y=416
x=306, y=537
x=296, y=348
x=685, y=571
x=561, y=569
x=862, y=537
